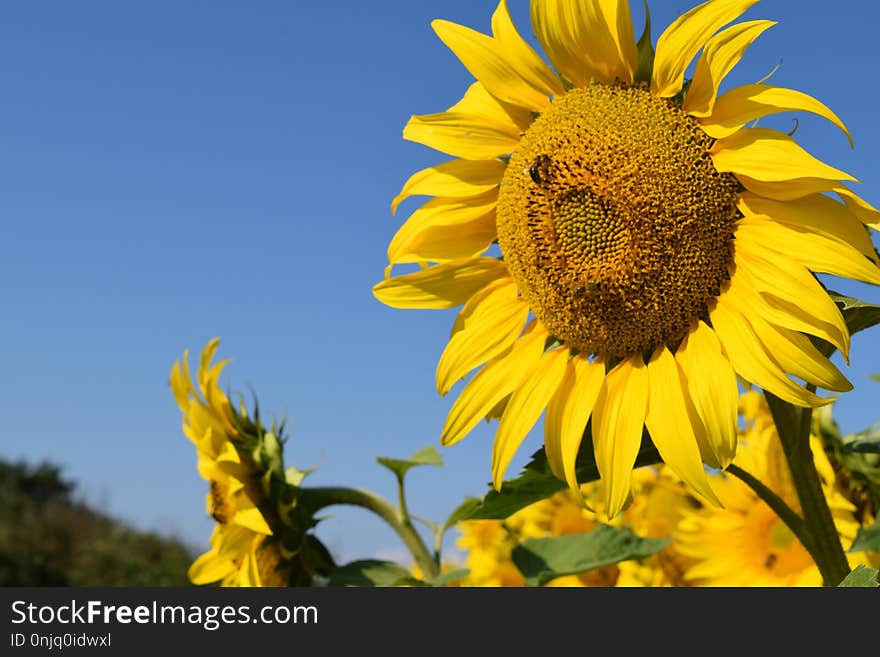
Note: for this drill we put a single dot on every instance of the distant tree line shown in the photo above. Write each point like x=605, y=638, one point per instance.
x=48, y=538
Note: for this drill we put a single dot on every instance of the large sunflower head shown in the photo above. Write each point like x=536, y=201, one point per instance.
x=652, y=246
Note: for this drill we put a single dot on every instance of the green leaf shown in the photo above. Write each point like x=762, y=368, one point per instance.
x=859, y=315
x=371, y=573
x=645, y=67
x=865, y=442
x=448, y=578
x=862, y=577
x=541, y=560
x=425, y=456
x=867, y=538
x=537, y=482
x=516, y=494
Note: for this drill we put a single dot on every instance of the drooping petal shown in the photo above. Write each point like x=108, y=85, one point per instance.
x=711, y=384
x=454, y=179
x=780, y=280
x=618, y=419
x=866, y=213
x=498, y=378
x=526, y=404
x=476, y=128
x=770, y=155
x=721, y=53
x=793, y=351
x=488, y=325
x=682, y=40
x=482, y=56
x=568, y=413
x=815, y=213
x=670, y=426
x=441, y=286
x=817, y=252
x=445, y=229
x=750, y=359
x=738, y=106
x=787, y=190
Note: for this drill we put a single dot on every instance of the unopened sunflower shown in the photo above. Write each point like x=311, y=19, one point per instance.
x=652, y=247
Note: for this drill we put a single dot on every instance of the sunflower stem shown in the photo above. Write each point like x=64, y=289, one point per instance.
x=791, y=519
x=321, y=497
x=823, y=541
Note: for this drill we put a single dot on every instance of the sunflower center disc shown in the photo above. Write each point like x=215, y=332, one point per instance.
x=613, y=221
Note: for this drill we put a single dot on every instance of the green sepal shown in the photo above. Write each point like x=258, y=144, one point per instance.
x=541, y=560
x=645, y=67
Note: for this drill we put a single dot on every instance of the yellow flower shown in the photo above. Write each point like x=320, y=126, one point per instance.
x=652, y=246
x=488, y=544
x=746, y=544
x=257, y=541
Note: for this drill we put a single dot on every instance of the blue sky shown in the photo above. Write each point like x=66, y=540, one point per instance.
x=175, y=171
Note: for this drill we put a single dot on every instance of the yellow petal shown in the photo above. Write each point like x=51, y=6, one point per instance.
x=669, y=424
x=711, y=383
x=482, y=56
x=441, y=286
x=769, y=155
x=567, y=416
x=682, y=40
x=618, y=419
x=453, y=179
x=524, y=408
x=721, y=53
x=750, y=358
x=787, y=190
x=866, y=213
x=792, y=350
x=738, y=106
x=788, y=289
x=445, y=229
x=587, y=39
x=209, y=568
x=488, y=325
x=815, y=213
x=498, y=378
x=478, y=127
x=520, y=54
x=817, y=252
x=253, y=519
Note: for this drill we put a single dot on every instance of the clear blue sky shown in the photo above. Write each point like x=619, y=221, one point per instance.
x=175, y=171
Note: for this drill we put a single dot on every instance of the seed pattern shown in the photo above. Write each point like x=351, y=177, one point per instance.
x=614, y=222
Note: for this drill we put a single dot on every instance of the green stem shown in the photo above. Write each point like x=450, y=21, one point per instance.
x=321, y=497
x=793, y=426
x=792, y=520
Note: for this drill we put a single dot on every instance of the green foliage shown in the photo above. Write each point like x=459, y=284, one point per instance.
x=49, y=539
x=862, y=577
x=371, y=573
x=645, y=67
x=425, y=456
x=537, y=482
x=868, y=538
x=541, y=560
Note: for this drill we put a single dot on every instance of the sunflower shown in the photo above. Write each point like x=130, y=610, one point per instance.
x=745, y=543
x=255, y=542
x=621, y=244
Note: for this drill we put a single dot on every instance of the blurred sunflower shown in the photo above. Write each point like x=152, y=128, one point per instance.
x=652, y=246
x=255, y=542
x=661, y=502
x=746, y=544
